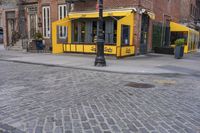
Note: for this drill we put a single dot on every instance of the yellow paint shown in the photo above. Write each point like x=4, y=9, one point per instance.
x=117, y=50
x=73, y=48
x=89, y=48
x=178, y=27
x=128, y=20
x=193, y=36
x=110, y=50
x=76, y=15
x=79, y=48
x=58, y=48
x=128, y=50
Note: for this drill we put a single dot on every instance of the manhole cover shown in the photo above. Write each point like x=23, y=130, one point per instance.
x=139, y=85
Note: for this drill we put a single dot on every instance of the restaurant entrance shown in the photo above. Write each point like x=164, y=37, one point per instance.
x=83, y=30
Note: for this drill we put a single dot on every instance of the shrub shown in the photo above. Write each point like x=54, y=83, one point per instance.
x=180, y=42
x=38, y=36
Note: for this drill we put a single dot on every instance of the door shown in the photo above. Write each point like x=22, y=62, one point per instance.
x=32, y=25
x=10, y=26
x=10, y=30
x=144, y=34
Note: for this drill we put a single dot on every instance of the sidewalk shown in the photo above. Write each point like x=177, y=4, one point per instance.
x=144, y=64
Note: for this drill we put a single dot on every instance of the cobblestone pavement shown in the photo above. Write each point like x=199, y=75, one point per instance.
x=42, y=99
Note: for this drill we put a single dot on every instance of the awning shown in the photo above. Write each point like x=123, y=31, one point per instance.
x=96, y=14
x=77, y=15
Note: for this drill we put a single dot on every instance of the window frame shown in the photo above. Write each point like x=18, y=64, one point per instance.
x=46, y=21
x=62, y=13
x=122, y=35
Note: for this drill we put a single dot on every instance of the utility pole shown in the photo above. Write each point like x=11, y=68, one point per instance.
x=100, y=59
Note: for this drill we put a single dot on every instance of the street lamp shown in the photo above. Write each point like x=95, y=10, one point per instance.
x=100, y=59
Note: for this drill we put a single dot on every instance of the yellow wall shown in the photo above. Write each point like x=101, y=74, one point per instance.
x=58, y=48
x=91, y=48
x=128, y=20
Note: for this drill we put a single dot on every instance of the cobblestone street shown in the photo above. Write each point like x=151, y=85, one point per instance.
x=44, y=99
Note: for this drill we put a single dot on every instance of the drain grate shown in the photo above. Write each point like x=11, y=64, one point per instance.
x=139, y=85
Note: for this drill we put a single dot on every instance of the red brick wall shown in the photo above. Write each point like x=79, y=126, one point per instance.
x=166, y=9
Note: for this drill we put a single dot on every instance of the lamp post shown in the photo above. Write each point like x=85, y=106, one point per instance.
x=100, y=59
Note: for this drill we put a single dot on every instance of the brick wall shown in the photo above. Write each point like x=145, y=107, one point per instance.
x=166, y=9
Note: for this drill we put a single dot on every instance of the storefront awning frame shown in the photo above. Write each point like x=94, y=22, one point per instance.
x=128, y=19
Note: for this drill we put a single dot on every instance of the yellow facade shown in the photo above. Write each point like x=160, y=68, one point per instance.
x=192, y=36
x=115, y=49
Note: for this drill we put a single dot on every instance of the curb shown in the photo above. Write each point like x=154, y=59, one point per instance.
x=97, y=70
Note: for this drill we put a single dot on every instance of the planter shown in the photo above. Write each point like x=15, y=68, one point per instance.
x=162, y=50
x=39, y=45
x=179, y=52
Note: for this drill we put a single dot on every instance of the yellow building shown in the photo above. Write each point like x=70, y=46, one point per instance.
x=82, y=30
x=191, y=36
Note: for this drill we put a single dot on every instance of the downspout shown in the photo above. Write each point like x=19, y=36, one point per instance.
x=163, y=27
x=139, y=28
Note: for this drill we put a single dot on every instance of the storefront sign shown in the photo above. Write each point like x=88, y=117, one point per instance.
x=128, y=50
x=93, y=49
x=109, y=50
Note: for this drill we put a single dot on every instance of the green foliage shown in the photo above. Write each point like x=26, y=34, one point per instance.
x=180, y=42
x=38, y=36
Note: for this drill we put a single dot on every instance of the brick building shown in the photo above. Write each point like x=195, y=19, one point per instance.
x=39, y=16
x=8, y=19
x=190, y=14
x=150, y=17
x=144, y=12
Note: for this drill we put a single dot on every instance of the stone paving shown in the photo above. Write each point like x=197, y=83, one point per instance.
x=42, y=99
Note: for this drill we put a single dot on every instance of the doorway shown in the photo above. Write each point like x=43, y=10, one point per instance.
x=144, y=34
x=10, y=26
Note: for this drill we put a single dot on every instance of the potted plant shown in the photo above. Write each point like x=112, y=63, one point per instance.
x=179, y=48
x=39, y=41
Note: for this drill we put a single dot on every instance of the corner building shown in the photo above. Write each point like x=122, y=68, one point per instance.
x=128, y=26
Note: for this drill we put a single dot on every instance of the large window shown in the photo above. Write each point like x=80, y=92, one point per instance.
x=62, y=13
x=79, y=33
x=46, y=21
x=86, y=31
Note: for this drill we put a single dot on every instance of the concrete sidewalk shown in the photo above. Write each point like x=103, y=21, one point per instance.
x=144, y=64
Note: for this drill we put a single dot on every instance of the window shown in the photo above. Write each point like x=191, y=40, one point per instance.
x=32, y=25
x=94, y=31
x=86, y=31
x=62, y=13
x=75, y=32
x=46, y=21
x=79, y=34
x=125, y=38
x=110, y=31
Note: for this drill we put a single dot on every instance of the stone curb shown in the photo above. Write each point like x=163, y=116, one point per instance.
x=91, y=69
